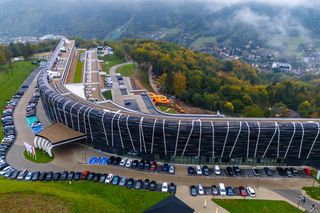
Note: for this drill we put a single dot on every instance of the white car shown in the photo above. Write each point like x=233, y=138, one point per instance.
x=171, y=169
x=128, y=163
x=217, y=170
x=200, y=190
x=164, y=187
x=109, y=178
x=3, y=171
x=251, y=191
x=28, y=176
x=222, y=189
x=198, y=170
x=123, y=161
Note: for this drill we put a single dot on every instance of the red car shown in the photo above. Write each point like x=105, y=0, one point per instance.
x=243, y=192
x=84, y=175
x=307, y=171
x=153, y=166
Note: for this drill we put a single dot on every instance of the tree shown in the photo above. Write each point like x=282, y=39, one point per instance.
x=162, y=81
x=238, y=105
x=197, y=99
x=179, y=83
x=228, y=107
x=305, y=109
x=253, y=111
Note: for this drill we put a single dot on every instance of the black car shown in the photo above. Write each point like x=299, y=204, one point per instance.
x=147, y=165
x=117, y=161
x=90, y=176
x=172, y=188
x=288, y=172
x=205, y=170
x=70, y=176
x=268, y=171
x=35, y=176
x=146, y=184
x=237, y=170
x=130, y=183
x=141, y=164
x=64, y=175
x=280, y=171
x=103, y=178
x=135, y=164
x=230, y=171
x=153, y=186
x=15, y=174
x=111, y=160
x=96, y=177
x=138, y=184
x=165, y=167
x=49, y=176
x=294, y=171
x=193, y=190
x=77, y=176
x=56, y=176
x=42, y=176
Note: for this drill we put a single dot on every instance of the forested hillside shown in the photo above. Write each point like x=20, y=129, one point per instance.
x=232, y=87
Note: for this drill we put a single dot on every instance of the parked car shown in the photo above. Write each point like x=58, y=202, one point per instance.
x=294, y=171
x=15, y=174
x=22, y=174
x=217, y=170
x=141, y=165
x=109, y=178
x=222, y=189
x=200, y=190
x=280, y=171
x=243, y=192
x=64, y=175
x=42, y=176
x=49, y=176
x=77, y=176
x=70, y=176
x=56, y=176
x=146, y=184
x=103, y=178
x=256, y=171
x=138, y=184
x=128, y=163
x=91, y=176
x=268, y=171
x=147, y=165
x=84, y=175
x=123, y=161
x=96, y=177
x=35, y=176
x=251, y=191
x=172, y=188
x=198, y=170
x=288, y=172
x=193, y=190
x=171, y=169
x=237, y=170
x=153, y=186
x=229, y=191
x=117, y=161
x=130, y=183
x=115, y=180
x=215, y=190
x=205, y=170
x=28, y=176
x=164, y=187
x=135, y=164
x=4, y=170
x=153, y=166
x=307, y=171
x=165, y=167
x=230, y=171
x=190, y=170
x=122, y=181
x=111, y=160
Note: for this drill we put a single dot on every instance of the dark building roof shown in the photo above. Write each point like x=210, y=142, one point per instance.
x=170, y=205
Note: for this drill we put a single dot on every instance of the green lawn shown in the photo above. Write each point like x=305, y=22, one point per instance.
x=41, y=156
x=313, y=192
x=167, y=109
x=107, y=94
x=10, y=82
x=112, y=60
x=126, y=70
x=142, y=76
x=79, y=68
x=79, y=196
x=256, y=206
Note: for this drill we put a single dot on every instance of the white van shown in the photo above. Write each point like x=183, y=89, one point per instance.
x=222, y=189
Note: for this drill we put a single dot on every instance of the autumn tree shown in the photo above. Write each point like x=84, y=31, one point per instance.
x=179, y=83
